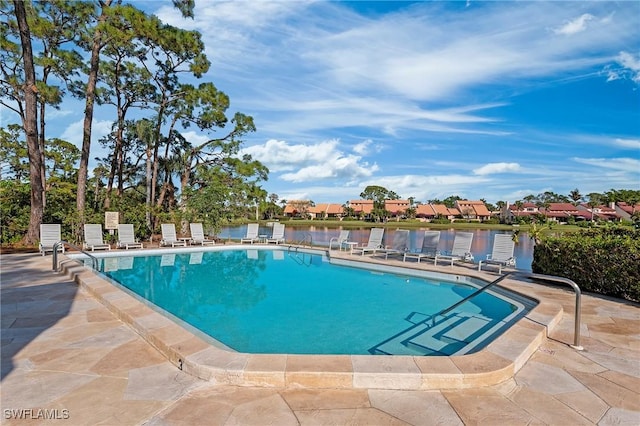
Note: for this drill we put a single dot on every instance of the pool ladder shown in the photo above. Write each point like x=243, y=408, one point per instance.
x=293, y=250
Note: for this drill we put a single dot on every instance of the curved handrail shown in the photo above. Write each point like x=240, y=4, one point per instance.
x=576, y=289
x=94, y=260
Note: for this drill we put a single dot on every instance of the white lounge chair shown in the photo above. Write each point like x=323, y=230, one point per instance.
x=49, y=235
x=197, y=235
x=277, y=235
x=127, y=237
x=429, y=247
x=169, y=237
x=399, y=245
x=461, y=251
x=340, y=239
x=252, y=234
x=374, y=244
x=93, y=238
x=501, y=253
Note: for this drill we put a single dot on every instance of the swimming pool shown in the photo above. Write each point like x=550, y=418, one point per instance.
x=266, y=300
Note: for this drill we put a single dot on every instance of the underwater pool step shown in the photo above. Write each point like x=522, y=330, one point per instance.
x=450, y=335
x=444, y=338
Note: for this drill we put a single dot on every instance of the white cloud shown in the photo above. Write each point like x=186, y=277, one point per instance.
x=310, y=162
x=574, y=26
x=99, y=129
x=628, y=143
x=631, y=63
x=195, y=138
x=622, y=164
x=363, y=147
x=73, y=132
x=493, y=168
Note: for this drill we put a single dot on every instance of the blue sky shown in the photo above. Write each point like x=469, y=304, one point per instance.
x=493, y=100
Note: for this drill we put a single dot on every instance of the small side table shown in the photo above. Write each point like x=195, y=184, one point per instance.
x=351, y=245
x=263, y=238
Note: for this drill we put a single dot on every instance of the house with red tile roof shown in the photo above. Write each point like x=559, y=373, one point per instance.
x=432, y=211
x=561, y=212
x=397, y=208
x=296, y=208
x=625, y=211
x=473, y=210
x=361, y=207
x=601, y=212
x=326, y=211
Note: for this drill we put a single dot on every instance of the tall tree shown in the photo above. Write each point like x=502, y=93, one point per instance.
x=30, y=124
x=94, y=43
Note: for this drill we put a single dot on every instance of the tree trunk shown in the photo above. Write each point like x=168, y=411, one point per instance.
x=30, y=124
x=88, y=116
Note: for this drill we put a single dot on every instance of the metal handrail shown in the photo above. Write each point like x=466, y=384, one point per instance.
x=306, y=238
x=94, y=260
x=576, y=289
x=471, y=296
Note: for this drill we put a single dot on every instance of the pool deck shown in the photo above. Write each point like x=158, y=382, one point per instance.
x=94, y=354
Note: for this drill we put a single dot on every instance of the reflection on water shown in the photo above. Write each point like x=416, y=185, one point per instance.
x=482, y=239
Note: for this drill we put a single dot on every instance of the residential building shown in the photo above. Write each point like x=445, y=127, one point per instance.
x=473, y=210
x=326, y=211
x=625, y=211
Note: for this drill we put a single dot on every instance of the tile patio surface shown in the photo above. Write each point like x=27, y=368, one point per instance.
x=64, y=354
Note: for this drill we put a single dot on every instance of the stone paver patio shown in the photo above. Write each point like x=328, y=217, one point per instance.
x=65, y=355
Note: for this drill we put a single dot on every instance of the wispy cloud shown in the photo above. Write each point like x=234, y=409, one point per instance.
x=574, y=26
x=493, y=168
x=627, y=143
x=622, y=164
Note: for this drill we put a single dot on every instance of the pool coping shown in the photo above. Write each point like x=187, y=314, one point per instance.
x=495, y=363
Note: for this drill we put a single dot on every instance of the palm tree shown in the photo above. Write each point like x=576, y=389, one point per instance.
x=594, y=201
x=576, y=196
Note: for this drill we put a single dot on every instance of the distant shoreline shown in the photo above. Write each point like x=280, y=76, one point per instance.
x=413, y=224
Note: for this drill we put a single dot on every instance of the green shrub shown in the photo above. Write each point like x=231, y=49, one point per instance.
x=441, y=220
x=605, y=260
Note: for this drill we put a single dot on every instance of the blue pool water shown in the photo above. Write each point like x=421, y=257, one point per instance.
x=273, y=301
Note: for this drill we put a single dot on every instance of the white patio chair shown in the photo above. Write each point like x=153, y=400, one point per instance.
x=93, y=238
x=501, y=253
x=374, y=244
x=169, y=237
x=340, y=239
x=277, y=235
x=197, y=235
x=49, y=235
x=127, y=237
x=461, y=251
x=429, y=247
x=252, y=234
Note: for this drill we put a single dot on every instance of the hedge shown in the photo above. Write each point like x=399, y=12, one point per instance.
x=605, y=261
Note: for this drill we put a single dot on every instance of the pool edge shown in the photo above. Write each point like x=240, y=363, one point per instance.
x=497, y=362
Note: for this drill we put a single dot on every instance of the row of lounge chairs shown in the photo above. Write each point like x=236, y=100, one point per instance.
x=501, y=255
x=50, y=234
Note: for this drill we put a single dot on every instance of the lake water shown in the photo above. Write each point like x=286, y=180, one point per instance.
x=482, y=239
